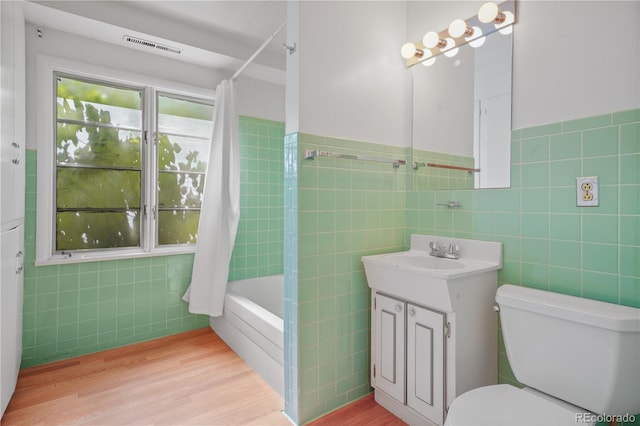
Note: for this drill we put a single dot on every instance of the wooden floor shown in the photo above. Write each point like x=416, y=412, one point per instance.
x=364, y=412
x=186, y=379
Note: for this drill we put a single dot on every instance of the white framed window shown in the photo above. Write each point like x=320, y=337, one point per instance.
x=121, y=163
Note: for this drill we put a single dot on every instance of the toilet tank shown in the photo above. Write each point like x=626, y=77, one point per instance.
x=579, y=350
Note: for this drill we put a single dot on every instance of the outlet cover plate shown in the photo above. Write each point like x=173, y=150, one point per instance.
x=587, y=194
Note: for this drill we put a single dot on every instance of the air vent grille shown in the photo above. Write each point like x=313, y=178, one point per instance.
x=150, y=44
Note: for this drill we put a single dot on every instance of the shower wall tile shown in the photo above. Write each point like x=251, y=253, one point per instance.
x=70, y=310
x=259, y=247
x=549, y=242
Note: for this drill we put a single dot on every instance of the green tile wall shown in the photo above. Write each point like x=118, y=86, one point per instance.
x=344, y=209
x=259, y=247
x=76, y=309
x=549, y=243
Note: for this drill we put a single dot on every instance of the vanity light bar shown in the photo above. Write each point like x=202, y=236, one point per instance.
x=490, y=18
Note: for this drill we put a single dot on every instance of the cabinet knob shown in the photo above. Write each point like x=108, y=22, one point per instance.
x=412, y=312
x=398, y=307
x=19, y=262
x=18, y=152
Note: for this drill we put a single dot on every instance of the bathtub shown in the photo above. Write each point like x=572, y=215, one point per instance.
x=251, y=324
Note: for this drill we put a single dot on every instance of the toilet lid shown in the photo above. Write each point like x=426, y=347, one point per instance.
x=507, y=405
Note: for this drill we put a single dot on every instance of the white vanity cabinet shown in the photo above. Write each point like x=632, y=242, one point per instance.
x=409, y=354
x=434, y=331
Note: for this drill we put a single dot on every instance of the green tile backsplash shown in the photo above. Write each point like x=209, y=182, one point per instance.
x=76, y=309
x=549, y=242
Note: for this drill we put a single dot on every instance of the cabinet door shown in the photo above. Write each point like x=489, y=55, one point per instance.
x=12, y=112
x=389, y=351
x=11, y=295
x=425, y=362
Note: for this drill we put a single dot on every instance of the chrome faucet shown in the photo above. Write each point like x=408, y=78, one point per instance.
x=439, y=250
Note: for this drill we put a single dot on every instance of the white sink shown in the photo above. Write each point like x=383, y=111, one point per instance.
x=417, y=259
x=433, y=281
x=421, y=262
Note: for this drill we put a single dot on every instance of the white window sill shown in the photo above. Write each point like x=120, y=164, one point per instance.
x=119, y=254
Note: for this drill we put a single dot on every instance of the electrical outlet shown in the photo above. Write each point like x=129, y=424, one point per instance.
x=587, y=191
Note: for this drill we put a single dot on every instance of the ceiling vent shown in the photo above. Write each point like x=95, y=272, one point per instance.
x=150, y=44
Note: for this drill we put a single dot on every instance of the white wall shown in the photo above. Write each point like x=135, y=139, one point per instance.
x=571, y=59
x=574, y=59
x=351, y=78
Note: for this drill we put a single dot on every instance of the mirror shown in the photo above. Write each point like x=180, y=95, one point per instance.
x=461, y=136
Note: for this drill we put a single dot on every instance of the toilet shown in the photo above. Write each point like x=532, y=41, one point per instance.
x=579, y=360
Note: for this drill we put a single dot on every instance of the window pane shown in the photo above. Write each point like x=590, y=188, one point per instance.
x=98, y=103
x=184, y=117
x=177, y=227
x=180, y=190
x=81, y=188
x=97, y=146
x=97, y=230
x=98, y=142
x=184, y=138
x=182, y=153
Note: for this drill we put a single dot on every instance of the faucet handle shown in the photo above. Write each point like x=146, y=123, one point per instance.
x=453, y=250
x=436, y=249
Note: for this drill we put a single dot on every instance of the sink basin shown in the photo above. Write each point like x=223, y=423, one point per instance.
x=423, y=263
x=417, y=276
x=415, y=259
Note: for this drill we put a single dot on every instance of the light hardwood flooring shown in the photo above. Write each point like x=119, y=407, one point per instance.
x=186, y=379
x=364, y=412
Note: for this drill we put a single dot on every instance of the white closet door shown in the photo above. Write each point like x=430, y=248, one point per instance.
x=12, y=113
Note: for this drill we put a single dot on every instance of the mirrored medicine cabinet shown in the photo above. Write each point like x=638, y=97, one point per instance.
x=461, y=117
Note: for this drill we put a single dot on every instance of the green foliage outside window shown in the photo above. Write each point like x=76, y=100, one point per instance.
x=100, y=175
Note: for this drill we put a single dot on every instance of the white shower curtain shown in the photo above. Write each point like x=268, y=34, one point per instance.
x=220, y=209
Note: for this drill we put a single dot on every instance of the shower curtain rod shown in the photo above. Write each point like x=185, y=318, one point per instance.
x=257, y=52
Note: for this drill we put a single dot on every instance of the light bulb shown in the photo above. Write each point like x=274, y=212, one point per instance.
x=432, y=39
x=451, y=52
x=458, y=28
x=489, y=12
x=506, y=27
x=429, y=62
x=476, y=40
x=428, y=57
x=409, y=50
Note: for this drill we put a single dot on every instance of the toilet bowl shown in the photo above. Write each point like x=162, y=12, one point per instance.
x=557, y=346
x=506, y=405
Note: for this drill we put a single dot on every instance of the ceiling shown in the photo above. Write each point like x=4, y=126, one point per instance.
x=248, y=21
x=221, y=34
